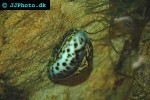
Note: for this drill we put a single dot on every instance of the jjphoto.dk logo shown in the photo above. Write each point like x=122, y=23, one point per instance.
x=26, y=5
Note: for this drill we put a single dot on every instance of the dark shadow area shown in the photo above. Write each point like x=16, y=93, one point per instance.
x=12, y=93
x=75, y=80
x=129, y=47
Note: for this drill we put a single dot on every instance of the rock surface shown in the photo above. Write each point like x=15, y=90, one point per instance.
x=27, y=39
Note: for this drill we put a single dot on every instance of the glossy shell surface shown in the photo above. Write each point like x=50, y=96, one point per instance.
x=71, y=55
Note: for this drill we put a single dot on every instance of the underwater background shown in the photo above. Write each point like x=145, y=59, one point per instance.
x=119, y=31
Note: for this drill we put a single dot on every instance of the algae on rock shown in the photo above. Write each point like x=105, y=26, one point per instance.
x=30, y=37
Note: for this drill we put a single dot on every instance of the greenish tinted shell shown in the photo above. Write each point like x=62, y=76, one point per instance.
x=71, y=55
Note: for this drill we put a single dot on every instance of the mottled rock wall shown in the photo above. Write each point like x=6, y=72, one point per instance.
x=141, y=87
x=27, y=39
